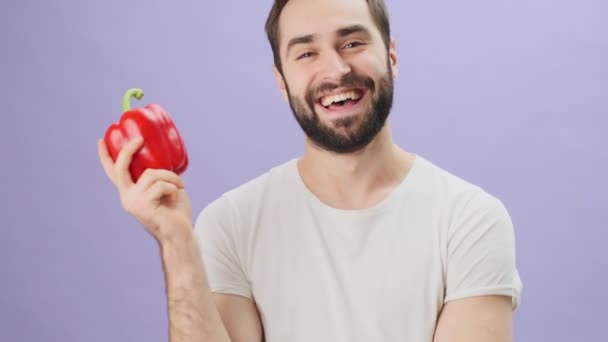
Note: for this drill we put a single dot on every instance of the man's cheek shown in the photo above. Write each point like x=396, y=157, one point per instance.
x=310, y=99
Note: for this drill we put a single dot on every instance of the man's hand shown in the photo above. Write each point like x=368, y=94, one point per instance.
x=158, y=199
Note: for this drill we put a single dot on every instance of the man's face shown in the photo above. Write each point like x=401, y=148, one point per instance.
x=337, y=74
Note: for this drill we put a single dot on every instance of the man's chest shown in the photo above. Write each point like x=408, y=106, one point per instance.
x=346, y=281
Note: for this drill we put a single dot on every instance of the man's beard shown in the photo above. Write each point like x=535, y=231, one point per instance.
x=359, y=130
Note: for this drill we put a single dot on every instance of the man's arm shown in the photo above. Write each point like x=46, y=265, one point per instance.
x=482, y=285
x=159, y=202
x=240, y=316
x=476, y=319
x=195, y=314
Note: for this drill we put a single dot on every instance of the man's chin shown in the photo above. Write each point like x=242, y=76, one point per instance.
x=346, y=127
x=342, y=140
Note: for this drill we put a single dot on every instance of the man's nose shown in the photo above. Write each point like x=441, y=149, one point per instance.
x=334, y=67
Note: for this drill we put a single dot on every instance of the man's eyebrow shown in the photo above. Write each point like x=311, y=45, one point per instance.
x=307, y=39
x=343, y=32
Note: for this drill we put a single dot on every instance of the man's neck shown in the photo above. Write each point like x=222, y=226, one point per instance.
x=357, y=180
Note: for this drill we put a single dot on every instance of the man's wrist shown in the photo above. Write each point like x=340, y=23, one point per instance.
x=176, y=234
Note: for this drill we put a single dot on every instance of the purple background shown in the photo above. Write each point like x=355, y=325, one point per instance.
x=510, y=95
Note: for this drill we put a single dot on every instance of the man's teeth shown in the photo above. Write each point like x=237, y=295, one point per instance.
x=350, y=95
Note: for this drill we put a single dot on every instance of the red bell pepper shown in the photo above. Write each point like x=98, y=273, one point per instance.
x=163, y=147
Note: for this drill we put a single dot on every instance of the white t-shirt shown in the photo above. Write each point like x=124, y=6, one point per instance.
x=319, y=274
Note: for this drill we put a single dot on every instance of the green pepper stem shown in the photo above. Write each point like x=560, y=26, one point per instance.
x=136, y=93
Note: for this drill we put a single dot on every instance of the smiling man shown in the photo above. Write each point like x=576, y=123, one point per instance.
x=356, y=240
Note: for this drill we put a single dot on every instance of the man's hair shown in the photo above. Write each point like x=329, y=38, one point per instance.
x=377, y=9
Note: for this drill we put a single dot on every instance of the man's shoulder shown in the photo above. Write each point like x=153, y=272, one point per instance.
x=456, y=190
x=251, y=195
x=276, y=176
x=253, y=192
x=438, y=178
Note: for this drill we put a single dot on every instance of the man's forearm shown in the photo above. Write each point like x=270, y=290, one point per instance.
x=193, y=316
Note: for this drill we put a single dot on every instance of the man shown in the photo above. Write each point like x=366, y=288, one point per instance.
x=357, y=240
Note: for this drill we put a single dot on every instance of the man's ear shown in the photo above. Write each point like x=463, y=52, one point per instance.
x=280, y=82
x=392, y=54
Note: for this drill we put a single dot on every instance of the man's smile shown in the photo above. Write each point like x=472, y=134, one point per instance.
x=341, y=101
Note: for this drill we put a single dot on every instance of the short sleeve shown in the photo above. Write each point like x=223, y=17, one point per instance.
x=217, y=236
x=481, y=252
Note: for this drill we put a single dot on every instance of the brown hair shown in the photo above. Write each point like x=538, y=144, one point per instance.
x=376, y=7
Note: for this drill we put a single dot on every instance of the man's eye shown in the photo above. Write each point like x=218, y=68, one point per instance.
x=305, y=55
x=352, y=45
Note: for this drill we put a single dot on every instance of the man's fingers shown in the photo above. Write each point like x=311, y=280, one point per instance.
x=121, y=168
x=105, y=159
x=150, y=176
x=160, y=189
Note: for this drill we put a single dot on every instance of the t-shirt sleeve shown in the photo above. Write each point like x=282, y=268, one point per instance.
x=217, y=236
x=481, y=252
